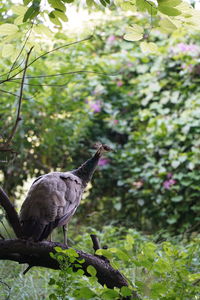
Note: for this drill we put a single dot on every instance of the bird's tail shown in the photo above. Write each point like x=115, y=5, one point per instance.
x=34, y=229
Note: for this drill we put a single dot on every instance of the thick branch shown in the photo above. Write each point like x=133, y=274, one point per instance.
x=11, y=213
x=38, y=254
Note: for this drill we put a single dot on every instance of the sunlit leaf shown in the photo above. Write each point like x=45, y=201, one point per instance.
x=134, y=33
x=148, y=47
x=170, y=11
x=167, y=25
x=60, y=15
x=19, y=9
x=8, y=29
x=91, y=270
x=57, y=4
x=7, y=50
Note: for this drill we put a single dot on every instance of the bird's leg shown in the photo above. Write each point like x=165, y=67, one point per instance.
x=50, y=237
x=65, y=233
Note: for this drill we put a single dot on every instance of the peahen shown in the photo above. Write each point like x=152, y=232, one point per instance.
x=54, y=197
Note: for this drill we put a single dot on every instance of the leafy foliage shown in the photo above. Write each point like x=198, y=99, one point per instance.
x=145, y=107
x=155, y=270
x=162, y=15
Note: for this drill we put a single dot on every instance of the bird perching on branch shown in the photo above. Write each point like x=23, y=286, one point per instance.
x=54, y=197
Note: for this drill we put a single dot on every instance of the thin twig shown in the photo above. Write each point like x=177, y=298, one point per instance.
x=8, y=287
x=65, y=73
x=13, y=94
x=44, y=54
x=27, y=269
x=18, y=118
x=5, y=229
x=13, y=69
x=26, y=40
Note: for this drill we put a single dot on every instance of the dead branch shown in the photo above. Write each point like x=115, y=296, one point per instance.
x=18, y=118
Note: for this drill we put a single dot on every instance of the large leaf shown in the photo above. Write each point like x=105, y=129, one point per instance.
x=172, y=3
x=134, y=33
x=167, y=25
x=31, y=13
x=7, y=50
x=8, y=29
x=170, y=11
x=57, y=4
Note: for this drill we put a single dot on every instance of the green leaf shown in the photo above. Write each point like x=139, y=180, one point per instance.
x=71, y=252
x=110, y=294
x=54, y=20
x=57, y=4
x=19, y=9
x=91, y=270
x=148, y=47
x=125, y=291
x=8, y=29
x=58, y=249
x=52, y=281
x=104, y=252
x=134, y=33
x=60, y=15
x=103, y=2
x=167, y=25
x=177, y=199
x=31, y=13
x=86, y=293
x=42, y=29
x=7, y=50
x=26, y=2
x=89, y=2
x=170, y=11
x=141, y=5
x=172, y=3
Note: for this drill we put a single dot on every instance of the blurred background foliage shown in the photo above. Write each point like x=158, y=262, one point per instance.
x=147, y=107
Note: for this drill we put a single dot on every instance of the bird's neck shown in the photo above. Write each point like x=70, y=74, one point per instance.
x=86, y=170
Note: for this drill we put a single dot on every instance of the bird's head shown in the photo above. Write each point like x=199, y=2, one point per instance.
x=102, y=148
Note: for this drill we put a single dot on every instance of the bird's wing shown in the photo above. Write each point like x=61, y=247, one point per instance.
x=72, y=196
x=51, y=201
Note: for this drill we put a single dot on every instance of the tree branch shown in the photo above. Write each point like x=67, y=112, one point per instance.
x=18, y=118
x=42, y=55
x=38, y=254
x=11, y=213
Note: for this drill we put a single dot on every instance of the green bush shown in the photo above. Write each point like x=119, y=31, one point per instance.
x=166, y=270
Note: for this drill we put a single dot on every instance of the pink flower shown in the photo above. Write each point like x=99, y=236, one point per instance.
x=95, y=106
x=119, y=83
x=169, y=175
x=115, y=122
x=190, y=49
x=111, y=39
x=168, y=183
x=103, y=162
